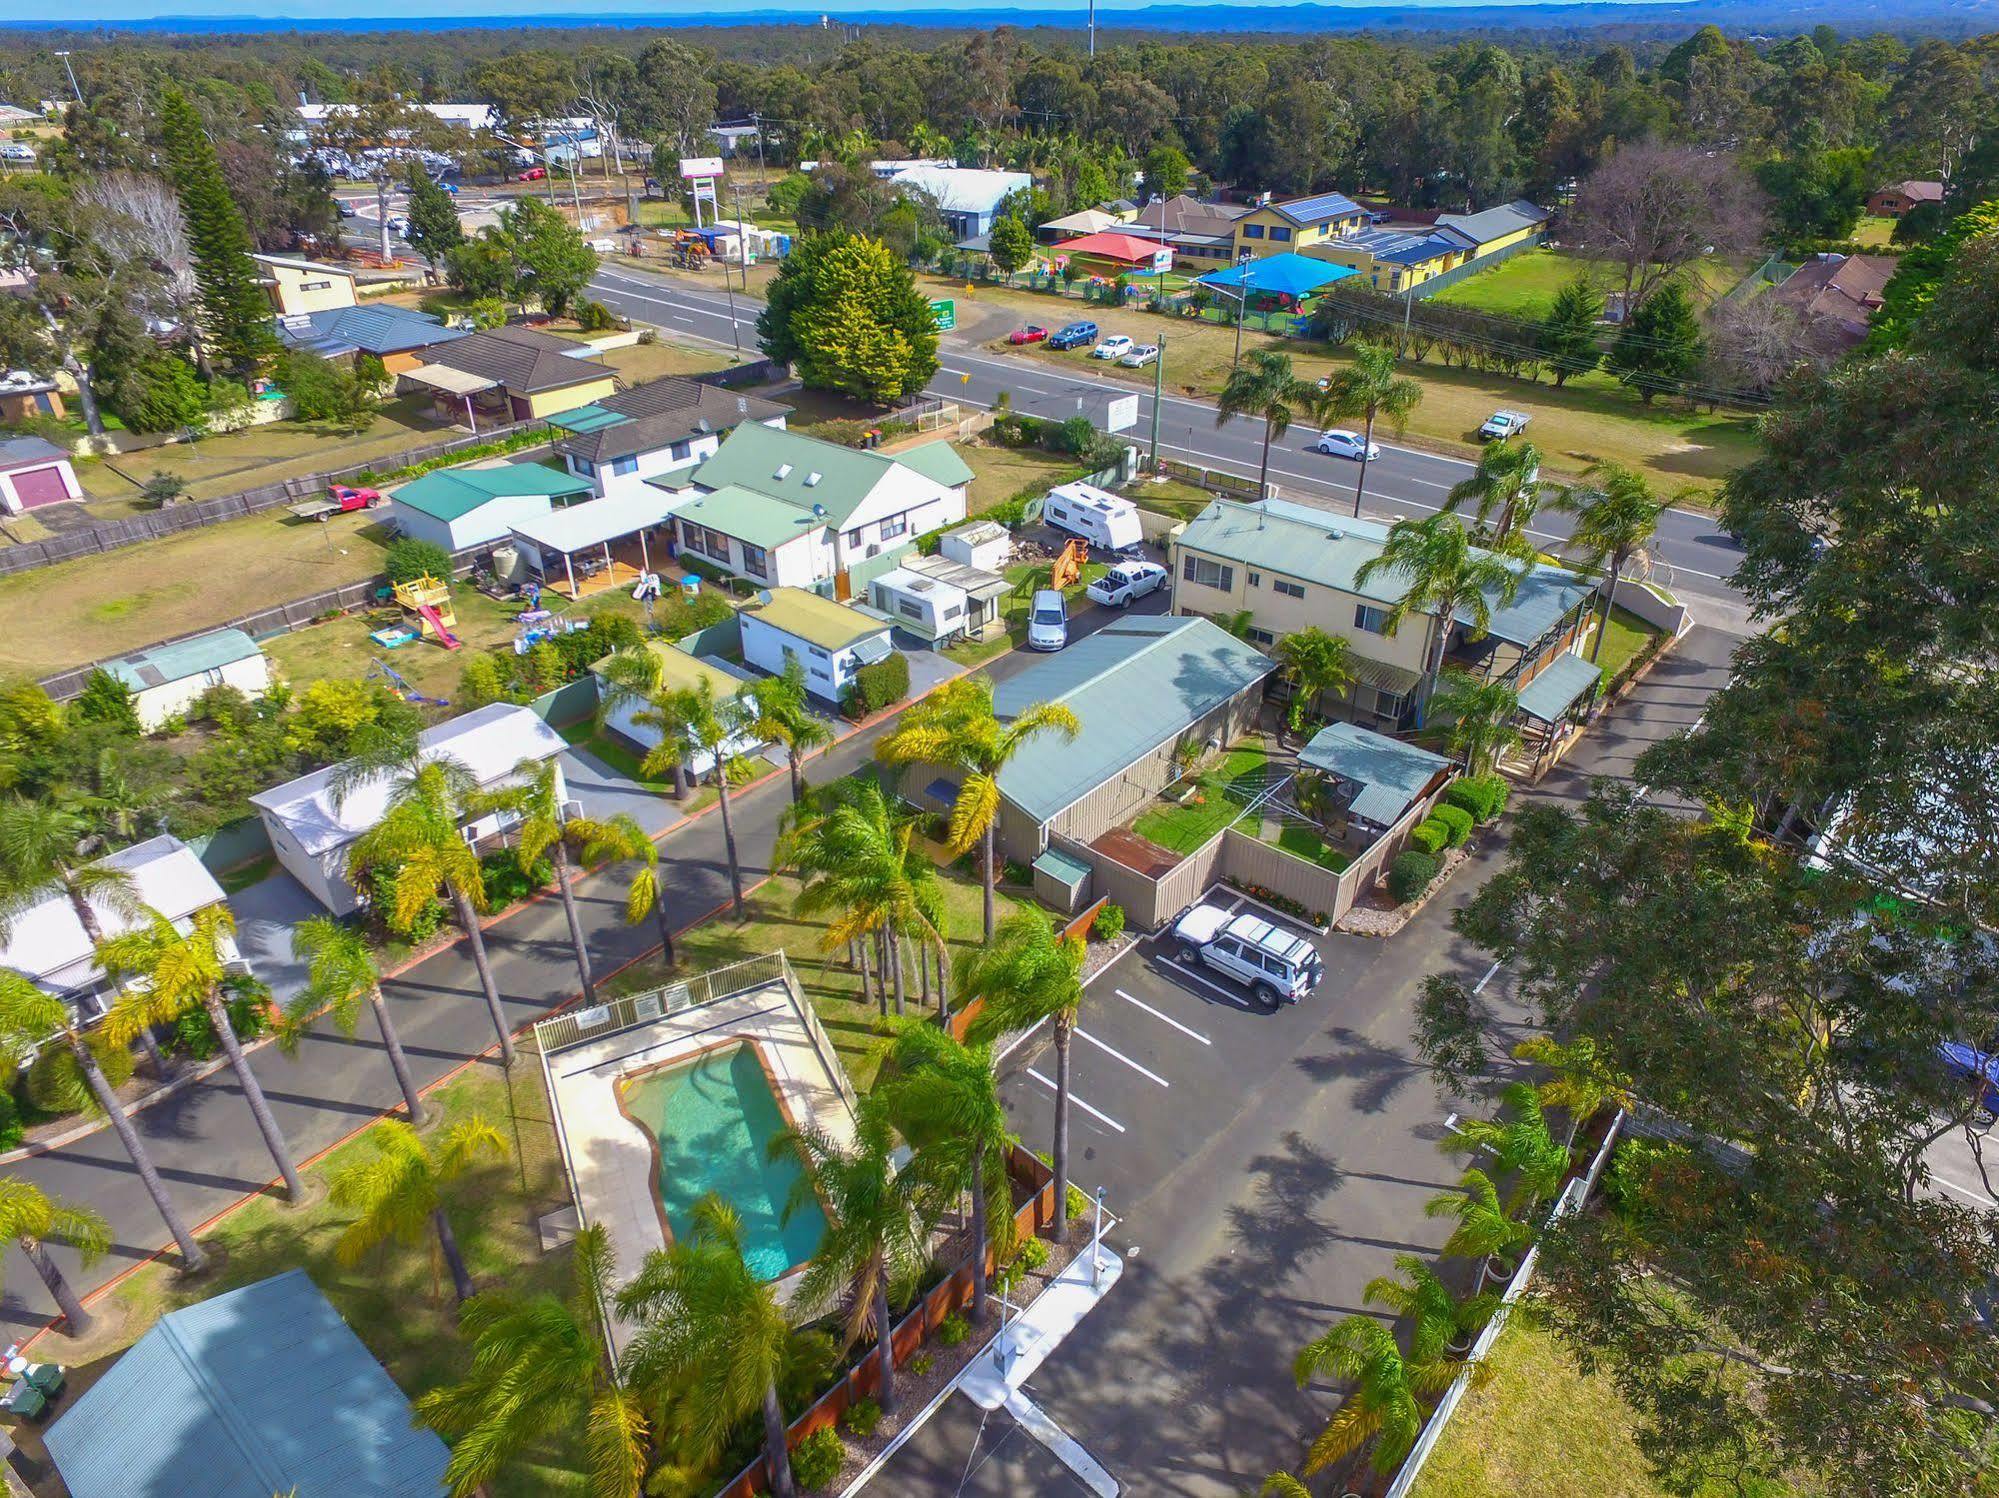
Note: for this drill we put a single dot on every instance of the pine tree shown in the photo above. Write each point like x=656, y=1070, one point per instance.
x=235, y=312
x=433, y=216
x=1660, y=346
x=1568, y=332
x=846, y=314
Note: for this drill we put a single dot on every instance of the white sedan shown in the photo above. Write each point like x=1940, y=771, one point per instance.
x=1347, y=445
x=1114, y=347
x=1141, y=356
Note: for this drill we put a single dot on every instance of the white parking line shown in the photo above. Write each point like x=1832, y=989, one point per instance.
x=1194, y=1034
x=1188, y=975
x=1096, y=1113
x=1979, y=1197
x=1116, y=1054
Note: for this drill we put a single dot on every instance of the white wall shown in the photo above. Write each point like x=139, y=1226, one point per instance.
x=799, y=563
x=155, y=705
x=492, y=521
x=12, y=502
x=926, y=505
x=649, y=465
x=826, y=673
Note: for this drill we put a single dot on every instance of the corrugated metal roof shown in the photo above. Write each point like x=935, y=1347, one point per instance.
x=1388, y=773
x=680, y=671
x=262, y=1390
x=451, y=493
x=937, y=461
x=1135, y=684
x=801, y=470
x=815, y=620
x=750, y=516
x=183, y=658
x=1061, y=867
x=1555, y=690
x=375, y=329
x=1496, y=223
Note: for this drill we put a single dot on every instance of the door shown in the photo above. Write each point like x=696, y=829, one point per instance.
x=843, y=587
x=40, y=486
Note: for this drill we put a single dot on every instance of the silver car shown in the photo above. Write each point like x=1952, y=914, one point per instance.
x=1047, y=621
x=1276, y=965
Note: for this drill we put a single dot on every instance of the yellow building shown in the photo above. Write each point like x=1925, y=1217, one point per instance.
x=1397, y=259
x=511, y=374
x=1499, y=231
x=1301, y=224
x=298, y=287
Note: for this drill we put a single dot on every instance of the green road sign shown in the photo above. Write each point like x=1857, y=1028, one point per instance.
x=945, y=314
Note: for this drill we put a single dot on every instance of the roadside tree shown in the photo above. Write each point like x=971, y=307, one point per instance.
x=846, y=315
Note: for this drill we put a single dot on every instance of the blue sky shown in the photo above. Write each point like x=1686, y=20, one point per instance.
x=129, y=10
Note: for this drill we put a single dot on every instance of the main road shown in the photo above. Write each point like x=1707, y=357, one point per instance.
x=1690, y=554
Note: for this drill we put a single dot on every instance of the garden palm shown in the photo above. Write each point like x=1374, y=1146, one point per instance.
x=1025, y=975
x=955, y=726
x=541, y=1364
x=1264, y=387
x=1442, y=575
x=633, y=677
x=31, y=1217
x=622, y=840
x=1521, y=1146
x=1384, y=1407
x=1507, y=485
x=340, y=973
x=713, y=723
x=1478, y=718
x=30, y=1018
x=536, y=797
x=1616, y=515
x=784, y=716
x=850, y=856
x=1485, y=1230
x=1315, y=663
x=1583, y=1079
x=713, y=1335
x=1437, y=1317
x=398, y=1192
x=1368, y=390
x=171, y=973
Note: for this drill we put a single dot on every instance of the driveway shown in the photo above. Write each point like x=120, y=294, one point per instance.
x=266, y=912
x=606, y=793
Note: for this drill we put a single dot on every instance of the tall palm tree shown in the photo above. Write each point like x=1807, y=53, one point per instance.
x=169, y=973
x=1485, y=1230
x=541, y=1364
x=1438, y=1317
x=1368, y=390
x=1315, y=663
x=1264, y=387
x=1443, y=575
x=1384, y=1409
x=29, y=1019
x=1478, y=718
x=1024, y=975
x=784, y=716
x=1583, y=1079
x=943, y=1097
x=955, y=727
x=31, y=1217
x=878, y=1222
x=340, y=973
x=713, y=1335
x=713, y=723
x=1616, y=515
x=399, y=1191
x=1506, y=485
x=622, y=840
x=634, y=678
x=535, y=797
x=1522, y=1146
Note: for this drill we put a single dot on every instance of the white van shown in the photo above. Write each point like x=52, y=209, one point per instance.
x=1098, y=516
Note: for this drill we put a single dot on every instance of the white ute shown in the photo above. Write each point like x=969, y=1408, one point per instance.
x=1275, y=964
x=1126, y=581
x=1503, y=424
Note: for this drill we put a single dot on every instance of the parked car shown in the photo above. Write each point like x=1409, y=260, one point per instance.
x=347, y=209
x=18, y=150
x=1074, y=335
x=1503, y=424
x=1047, y=620
x=1141, y=356
x=1341, y=444
x=1032, y=333
x=399, y=226
x=1126, y=581
x=532, y=174
x=1113, y=347
x=1276, y=965
x=1970, y=1065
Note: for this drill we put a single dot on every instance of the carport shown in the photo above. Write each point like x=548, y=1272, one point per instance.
x=452, y=391
x=582, y=538
x=1557, y=699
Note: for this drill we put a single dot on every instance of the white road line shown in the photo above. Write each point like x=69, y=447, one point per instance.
x=1969, y=1195
x=1116, y=1054
x=1096, y=1113
x=1480, y=986
x=1193, y=1034
x=1188, y=975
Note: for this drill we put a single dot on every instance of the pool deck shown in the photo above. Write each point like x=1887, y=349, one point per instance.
x=611, y=1158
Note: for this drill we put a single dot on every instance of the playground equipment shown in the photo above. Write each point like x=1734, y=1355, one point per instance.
x=538, y=624
x=428, y=602
x=400, y=685
x=648, y=588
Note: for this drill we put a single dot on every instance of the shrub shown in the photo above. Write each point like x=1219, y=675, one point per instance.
x=1456, y=822
x=1411, y=874
x=159, y=393
x=863, y=1415
x=249, y=1014
x=105, y=699
x=953, y=1329
x=409, y=558
x=421, y=927
x=506, y=882
x=595, y=317
x=12, y=1130
x=816, y=1460
x=1033, y=1254
x=921, y=1364
x=877, y=686
x=1109, y=924
x=322, y=391
x=1484, y=796
x=1428, y=836
x=54, y=1083
x=481, y=682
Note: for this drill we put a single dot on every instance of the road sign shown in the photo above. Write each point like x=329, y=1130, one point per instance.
x=692, y=167
x=1122, y=415
x=944, y=314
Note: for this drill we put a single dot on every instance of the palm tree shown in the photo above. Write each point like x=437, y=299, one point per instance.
x=1521, y=1147
x=31, y=1217
x=399, y=1192
x=340, y=973
x=1315, y=663
x=943, y=1097
x=622, y=840
x=1283, y=1485
x=30, y=1018
x=1583, y=1080
x=542, y=1364
x=878, y=1222
x=169, y=973
x=1616, y=515
x=1024, y=975
x=1506, y=483
x=634, y=678
x=784, y=716
x=1368, y=390
x=1478, y=718
x=536, y=798
x=713, y=724
x=1486, y=1230
x=1437, y=1317
x=1443, y=575
x=1264, y=387
x=713, y=1335
x=956, y=727
x=1384, y=1408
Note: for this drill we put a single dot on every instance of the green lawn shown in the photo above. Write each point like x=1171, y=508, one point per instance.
x=1525, y=286
x=1302, y=842
x=1184, y=826
x=999, y=473
x=1182, y=501
x=1875, y=233
x=1626, y=635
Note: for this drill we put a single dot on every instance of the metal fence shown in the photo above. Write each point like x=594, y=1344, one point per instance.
x=599, y=1020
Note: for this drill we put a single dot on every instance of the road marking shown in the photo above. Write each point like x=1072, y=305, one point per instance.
x=1195, y=1034
x=1979, y=1197
x=1096, y=1113
x=1064, y=1447
x=1480, y=986
x=1182, y=974
x=1115, y=1053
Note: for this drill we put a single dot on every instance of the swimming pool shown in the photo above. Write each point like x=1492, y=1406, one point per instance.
x=711, y=1120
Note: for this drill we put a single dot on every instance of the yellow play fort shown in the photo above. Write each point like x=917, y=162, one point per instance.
x=427, y=602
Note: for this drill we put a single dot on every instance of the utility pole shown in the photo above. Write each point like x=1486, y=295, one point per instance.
x=1093, y=28
x=1158, y=400
x=728, y=285
x=72, y=76
x=757, y=120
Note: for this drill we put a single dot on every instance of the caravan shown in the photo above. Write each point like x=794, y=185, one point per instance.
x=1101, y=518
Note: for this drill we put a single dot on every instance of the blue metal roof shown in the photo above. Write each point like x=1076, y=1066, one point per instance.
x=263, y=1390
x=375, y=329
x=1289, y=274
x=181, y=659
x=1388, y=773
x=1555, y=690
x=1320, y=208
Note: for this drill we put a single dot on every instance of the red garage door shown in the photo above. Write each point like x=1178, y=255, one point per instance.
x=39, y=486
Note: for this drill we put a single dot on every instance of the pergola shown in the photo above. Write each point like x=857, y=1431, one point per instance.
x=583, y=534
x=443, y=380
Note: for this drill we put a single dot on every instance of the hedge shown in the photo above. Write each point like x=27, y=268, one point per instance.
x=1429, y=836
x=1484, y=796
x=1456, y=822
x=877, y=686
x=1411, y=874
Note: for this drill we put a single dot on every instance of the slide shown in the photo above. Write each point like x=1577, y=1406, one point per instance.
x=444, y=636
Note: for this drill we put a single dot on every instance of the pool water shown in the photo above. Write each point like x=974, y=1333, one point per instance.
x=712, y=1121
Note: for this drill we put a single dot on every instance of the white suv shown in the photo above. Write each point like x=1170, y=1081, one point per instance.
x=1274, y=964
x=1126, y=581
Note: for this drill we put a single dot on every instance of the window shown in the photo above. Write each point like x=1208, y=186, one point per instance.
x=679, y=451
x=852, y=538
x=895, y=525
x=910, y=610
x=1209, y=574
x=1252, y=231
x=582, y=466
x=1390, y=705
x=818, y=654
x=1257, y=636
x=1256, y=579
x=756, y=561
x=624, y=465
x=1279, y=232
x=1369, y=619
x=953, y=612
x=708, y=543
x=1288, y=589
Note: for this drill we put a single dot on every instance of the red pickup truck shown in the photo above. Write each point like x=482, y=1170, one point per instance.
x=340, y=498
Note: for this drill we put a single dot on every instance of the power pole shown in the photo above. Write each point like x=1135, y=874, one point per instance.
x=1093, y=28
x=728, y=285
x=1158, y=400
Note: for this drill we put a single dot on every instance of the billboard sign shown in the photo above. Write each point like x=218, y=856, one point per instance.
x=1122, y=415
x=692, y=167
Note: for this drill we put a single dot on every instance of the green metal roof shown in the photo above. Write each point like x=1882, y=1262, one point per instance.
x=1389, y=773
x=1555, y=690
x=807, y=473
x=1136, y=684
x=452, y=493
x=939, y=461
x=1062, y=868
x=587, y=419
x=182, y=658
x=749, y=516
x=815, y=620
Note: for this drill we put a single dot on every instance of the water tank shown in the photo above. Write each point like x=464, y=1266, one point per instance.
x=507, y=564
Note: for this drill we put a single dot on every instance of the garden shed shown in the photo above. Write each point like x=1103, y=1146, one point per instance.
x=165, y=680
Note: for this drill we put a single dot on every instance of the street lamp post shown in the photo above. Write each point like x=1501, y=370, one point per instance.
x=1241, y=303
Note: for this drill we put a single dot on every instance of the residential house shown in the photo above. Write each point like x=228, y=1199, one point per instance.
x=313, y=833
x=1201, y=234
x=511, y=374
x=165, y=680
x=829, y=640
x=1501, y=231
x=1398, y=259
x=1296, y=224
x=605, y=543
x=679, y=671
x=1898, y=198
x=729, y=139
x=1837, y=293
x=1113, y=254
x=398, y=336
x=460, y=508
x=300, y=287
x=468, y=117
x=35, y=472
x=25, y=395
x=626, y=440
x=968, y=198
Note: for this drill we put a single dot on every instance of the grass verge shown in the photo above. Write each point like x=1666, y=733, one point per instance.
x=1183, y=826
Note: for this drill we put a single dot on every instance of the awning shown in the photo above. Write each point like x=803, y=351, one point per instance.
x=586, y=419
x=1394, y=680
x=1064, y=870
x=450, y=381
x=873, y=648
x=1557, y=688
x=594, y=522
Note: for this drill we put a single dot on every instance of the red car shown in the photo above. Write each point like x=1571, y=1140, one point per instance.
x=1028, y=334
x=532, y=174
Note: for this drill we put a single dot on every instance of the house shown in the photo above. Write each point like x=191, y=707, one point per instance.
x=606, y=543
x=467, y=117
x=398, y=336
x=256, y=1391
x=1376, y=779
x=1837, y=293
x=459, y=508
x=628, y=439
x=1398, y=259
x=678, y=671
x=1292, y=566
x=968, y=198
x=1113, y=254
x=35, y=472
x=1074, y=225
x=982, y=590
x=25, y=395
x=299, y=287
x=1501, y=231
x=729, y=139
x=829, y=640
x=312, y=835
x=1203, y=233
x=165, y=680
x=1296, y=224
x=1285, y=281
x=985, y=544
x=46, y=942
x=1898, y=198
x=511, y=374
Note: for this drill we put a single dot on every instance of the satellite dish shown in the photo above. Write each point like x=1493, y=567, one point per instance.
x=763, y=595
